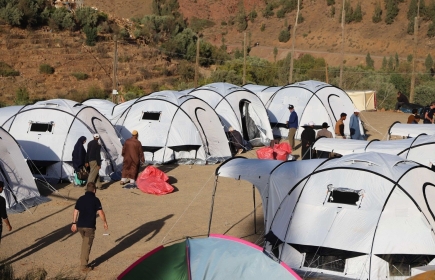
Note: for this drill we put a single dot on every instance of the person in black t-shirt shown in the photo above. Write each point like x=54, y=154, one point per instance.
x=3, y=213
x=86, y=209
x=401, y=100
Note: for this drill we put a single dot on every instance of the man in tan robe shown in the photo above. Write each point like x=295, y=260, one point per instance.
x=133, y=157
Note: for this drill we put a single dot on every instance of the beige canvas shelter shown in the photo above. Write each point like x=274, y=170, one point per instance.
x=364, y=100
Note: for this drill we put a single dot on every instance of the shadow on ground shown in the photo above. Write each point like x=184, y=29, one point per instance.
x=131, y=238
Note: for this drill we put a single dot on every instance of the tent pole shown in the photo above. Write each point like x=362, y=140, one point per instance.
x=255, y=210
x=212, y=205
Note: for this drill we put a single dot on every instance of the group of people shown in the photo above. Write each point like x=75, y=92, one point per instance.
x=309, y=136
x=414, y=118
x=88, y=206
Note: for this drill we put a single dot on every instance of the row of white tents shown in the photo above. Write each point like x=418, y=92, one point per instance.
x=190, y=125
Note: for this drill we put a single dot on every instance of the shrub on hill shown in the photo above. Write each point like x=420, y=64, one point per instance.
x=21, y=96
x=199, y=24
x=80, y=75
x=7, y=71
x=284, y=36
x=46, y=69
x=377, y=14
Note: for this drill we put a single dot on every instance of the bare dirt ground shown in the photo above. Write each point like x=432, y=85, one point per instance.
x=140, y=222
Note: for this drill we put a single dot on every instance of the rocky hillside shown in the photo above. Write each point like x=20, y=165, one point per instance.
x=319, y=34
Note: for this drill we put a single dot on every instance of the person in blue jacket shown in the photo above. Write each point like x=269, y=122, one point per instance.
x=292, y=126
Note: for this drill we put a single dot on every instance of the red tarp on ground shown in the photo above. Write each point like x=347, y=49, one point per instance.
x=153, y=181
x=279, y=152
x=265, y=153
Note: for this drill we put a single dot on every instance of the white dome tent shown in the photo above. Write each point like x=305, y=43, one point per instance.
x=313, y=101
x=362, y=216
x=105, y=107
x=419, y=149
x=410, y=130
x=48, y=130
x=19, y=185
x=239, y=108
x=175, y=127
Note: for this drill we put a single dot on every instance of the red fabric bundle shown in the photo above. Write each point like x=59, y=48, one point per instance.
x=265, y=153
x=154, y=181
x=281, y=151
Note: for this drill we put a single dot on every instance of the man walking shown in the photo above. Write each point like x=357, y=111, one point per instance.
x=354, y=126
x=292, y=126
x=133, y=157
x=3, y=213
x=86, y=209
x=339, y=126
x=93, y=160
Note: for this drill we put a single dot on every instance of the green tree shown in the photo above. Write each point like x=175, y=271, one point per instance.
x=275, y=53
x=390, y=63
x=61, y=19
x=284, y=36
x=391, y=6
x=11, y=15
x=377, y=15
x=396, y=60
x=412, y=10
x=428, y=62
x=410, y=29
x=241, y=19
x=384, y=63
x=409, y=58
x=87, y=17
x=431, y=30
x=21, y=96
x=370, y=62
x=268, y=11
x=357, y=15
x=401, y=82
x=91, y=35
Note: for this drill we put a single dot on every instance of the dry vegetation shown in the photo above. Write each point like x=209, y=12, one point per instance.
x=146, y=68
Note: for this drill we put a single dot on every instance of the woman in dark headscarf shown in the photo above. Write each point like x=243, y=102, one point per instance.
x=79, y=154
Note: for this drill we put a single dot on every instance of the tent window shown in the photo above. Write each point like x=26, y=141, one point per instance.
x=151, y=116
x=344, y=195
x=333, y=263
x=41, y=127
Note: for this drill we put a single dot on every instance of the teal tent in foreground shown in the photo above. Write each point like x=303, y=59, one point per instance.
x=215, y=257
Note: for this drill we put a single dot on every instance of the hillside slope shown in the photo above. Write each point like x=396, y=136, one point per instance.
x=319, y=34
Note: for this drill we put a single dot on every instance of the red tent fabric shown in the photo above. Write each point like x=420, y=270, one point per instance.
x=154, y=181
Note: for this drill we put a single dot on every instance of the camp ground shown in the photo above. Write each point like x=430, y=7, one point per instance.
x=213, y=257
x=239, y=108
x=313, y=101
x=419, y=149
x=48, y=130
x=410, y=130
x=346, y=217
x=175, y=127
